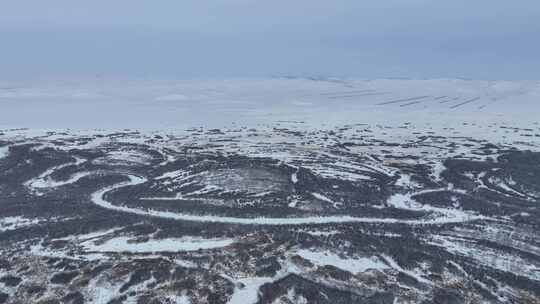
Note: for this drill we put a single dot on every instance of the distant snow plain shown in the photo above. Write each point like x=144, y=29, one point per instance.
x=81, y=104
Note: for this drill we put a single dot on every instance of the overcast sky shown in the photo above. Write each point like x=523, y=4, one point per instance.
x=482, y=39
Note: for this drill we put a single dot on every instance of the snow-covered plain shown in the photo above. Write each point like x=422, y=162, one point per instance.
x=247, y=189
x=176, y=104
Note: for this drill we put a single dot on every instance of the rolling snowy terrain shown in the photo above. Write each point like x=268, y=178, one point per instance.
x=270, y=191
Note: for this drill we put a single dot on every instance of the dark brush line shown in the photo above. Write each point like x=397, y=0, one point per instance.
x=411, y=103
x=420, y=101
x=465, y=102
x=489, y=103
x=402, y=100
x=441, y=97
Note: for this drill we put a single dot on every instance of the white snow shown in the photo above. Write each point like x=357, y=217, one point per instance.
x=437, y=170
x=101, y=291
x=292, y=297
x=50, y=183
x=4, y=151
x=411, y=273
x=354, y=265
x=293, y=203
x=325, y=199
x=181, y=104
x=487, y=256
x=403, y=201
x=173, y=106
x=41, y=250
x=262, y=194
x=441, y=215
x=406, y=181
x=123, y=157
x=322, y=233
x=44, y=180
x=91, y=235
x=127, y=244
x=182, y=299
x=173, y=174
x=294, y=178
x=250, y=292
x=16, y=222
x=504, y=185
x=185, y=263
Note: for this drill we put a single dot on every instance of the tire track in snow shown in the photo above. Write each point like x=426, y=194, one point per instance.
x=403, y=100
x=412, y=103
x=423, y=100
x=465, y=102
